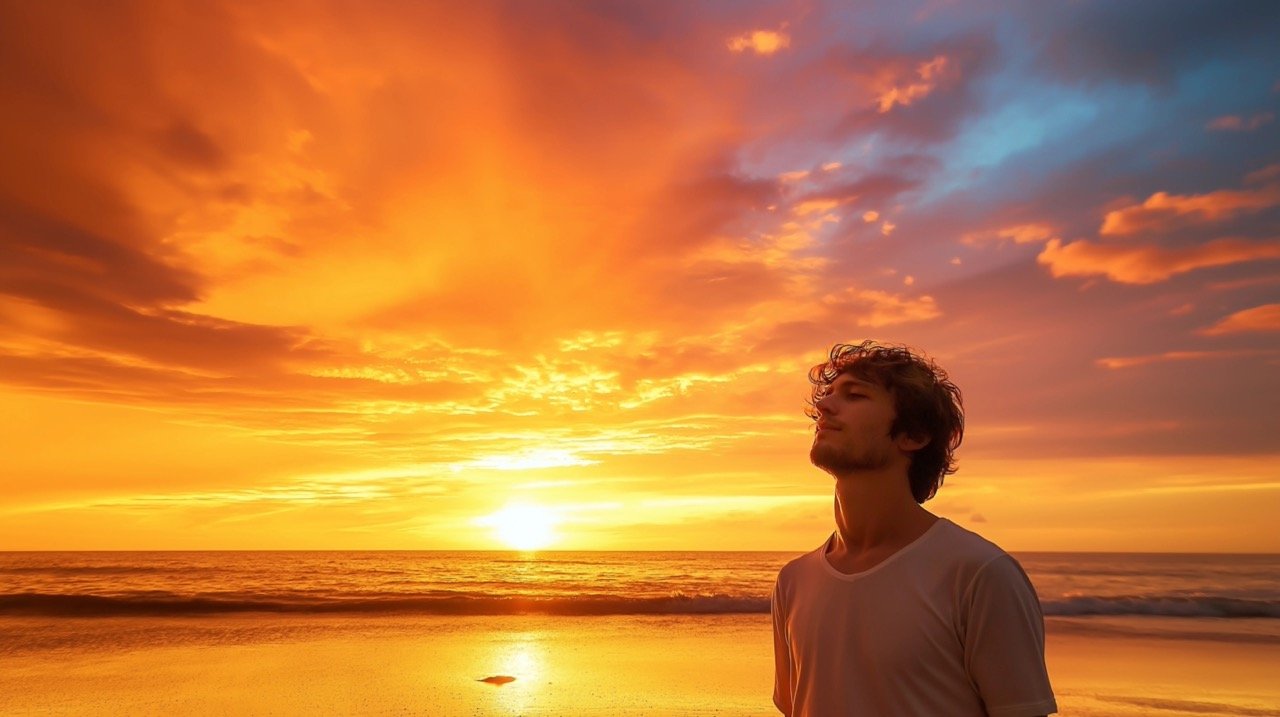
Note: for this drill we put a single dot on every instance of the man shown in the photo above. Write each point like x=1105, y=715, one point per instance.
x=900, y=612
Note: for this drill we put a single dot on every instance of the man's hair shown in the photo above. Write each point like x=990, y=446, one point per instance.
x=926, y=404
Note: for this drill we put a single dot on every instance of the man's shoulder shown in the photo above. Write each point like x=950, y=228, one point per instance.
x=965, y=546
x=801, y=563
x=965, y=561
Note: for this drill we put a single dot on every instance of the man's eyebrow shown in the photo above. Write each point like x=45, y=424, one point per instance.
x=850, y=382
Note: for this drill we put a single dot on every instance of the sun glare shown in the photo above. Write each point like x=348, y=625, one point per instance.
x=523, y=526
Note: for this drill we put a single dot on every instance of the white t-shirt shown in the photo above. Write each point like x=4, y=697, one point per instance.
x=948, y=625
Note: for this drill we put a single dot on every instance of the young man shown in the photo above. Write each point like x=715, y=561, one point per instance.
x=900, y=612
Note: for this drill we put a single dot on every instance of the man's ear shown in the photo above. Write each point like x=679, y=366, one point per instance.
x=910, y=444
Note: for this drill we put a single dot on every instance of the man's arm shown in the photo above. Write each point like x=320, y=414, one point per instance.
x=1004, y=642
x=781, y=653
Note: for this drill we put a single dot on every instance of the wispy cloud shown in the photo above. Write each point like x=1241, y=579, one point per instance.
x=1121, y=362
x=876, y=309
x=1018, y=234
x=1162, y=212
x=1148, y=264
x=905, y=92
x=1237, y=123
x=1259, y=319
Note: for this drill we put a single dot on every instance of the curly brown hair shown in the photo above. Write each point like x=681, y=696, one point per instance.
x=926, y=403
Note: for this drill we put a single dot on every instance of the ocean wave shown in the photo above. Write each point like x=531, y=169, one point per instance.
x=1165, y=606
x=64, y=570
x=83, y=605
x=452, y=603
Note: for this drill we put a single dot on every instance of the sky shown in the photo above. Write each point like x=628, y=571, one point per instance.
x=339, y=275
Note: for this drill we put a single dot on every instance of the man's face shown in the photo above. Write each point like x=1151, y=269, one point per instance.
x=853, y=431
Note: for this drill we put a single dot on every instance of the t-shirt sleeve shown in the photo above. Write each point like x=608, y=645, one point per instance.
x=781, y=652
x=1004, y=642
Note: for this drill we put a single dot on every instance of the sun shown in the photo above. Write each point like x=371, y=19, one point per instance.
x=522, y=526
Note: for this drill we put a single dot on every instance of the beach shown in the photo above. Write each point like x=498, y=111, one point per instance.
x=254, y=664
x=577, y=633
x=388, y=666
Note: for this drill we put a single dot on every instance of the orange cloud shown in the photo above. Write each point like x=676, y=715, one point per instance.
x=761, y=42
x=413, y=234
x=815, y=206
x=1020, y=234
x=1121, y=362
x=1265, y=318
x=371, y=264
x=1236, y=123
x=1266, y=174
x=929, y=75
x=1147, y=264
x=1162, y=211
x=875, y=309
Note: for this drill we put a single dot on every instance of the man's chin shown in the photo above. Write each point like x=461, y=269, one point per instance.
x=832, y=461
x=823, y=459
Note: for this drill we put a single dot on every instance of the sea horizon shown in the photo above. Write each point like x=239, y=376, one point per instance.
x=533, y=553
x=577, y=583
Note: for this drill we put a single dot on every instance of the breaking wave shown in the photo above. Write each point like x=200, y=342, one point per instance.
x=445, y=603
x=1165, y=606
x=399, y=603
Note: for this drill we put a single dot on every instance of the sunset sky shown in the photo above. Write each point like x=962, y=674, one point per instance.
x=294, y=275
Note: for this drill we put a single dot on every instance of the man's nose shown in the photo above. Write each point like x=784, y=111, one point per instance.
x=822, y=406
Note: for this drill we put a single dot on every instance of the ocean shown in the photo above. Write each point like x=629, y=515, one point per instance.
x=556, y=617
x=89, y=584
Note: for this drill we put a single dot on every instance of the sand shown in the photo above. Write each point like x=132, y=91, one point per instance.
x=392, y=666
x=274, y=665
x=1122, y=675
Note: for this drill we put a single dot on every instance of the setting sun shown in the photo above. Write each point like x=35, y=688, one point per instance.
x=523, y=526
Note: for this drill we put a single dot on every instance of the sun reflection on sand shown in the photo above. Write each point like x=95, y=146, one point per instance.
x=523, y=656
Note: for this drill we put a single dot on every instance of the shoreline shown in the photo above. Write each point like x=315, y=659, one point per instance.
x=615, y=665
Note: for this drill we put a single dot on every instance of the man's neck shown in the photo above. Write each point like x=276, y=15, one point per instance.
x=875, y=517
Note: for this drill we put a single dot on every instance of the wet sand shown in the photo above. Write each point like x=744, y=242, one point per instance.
x=393, y=666
x=268, y=664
